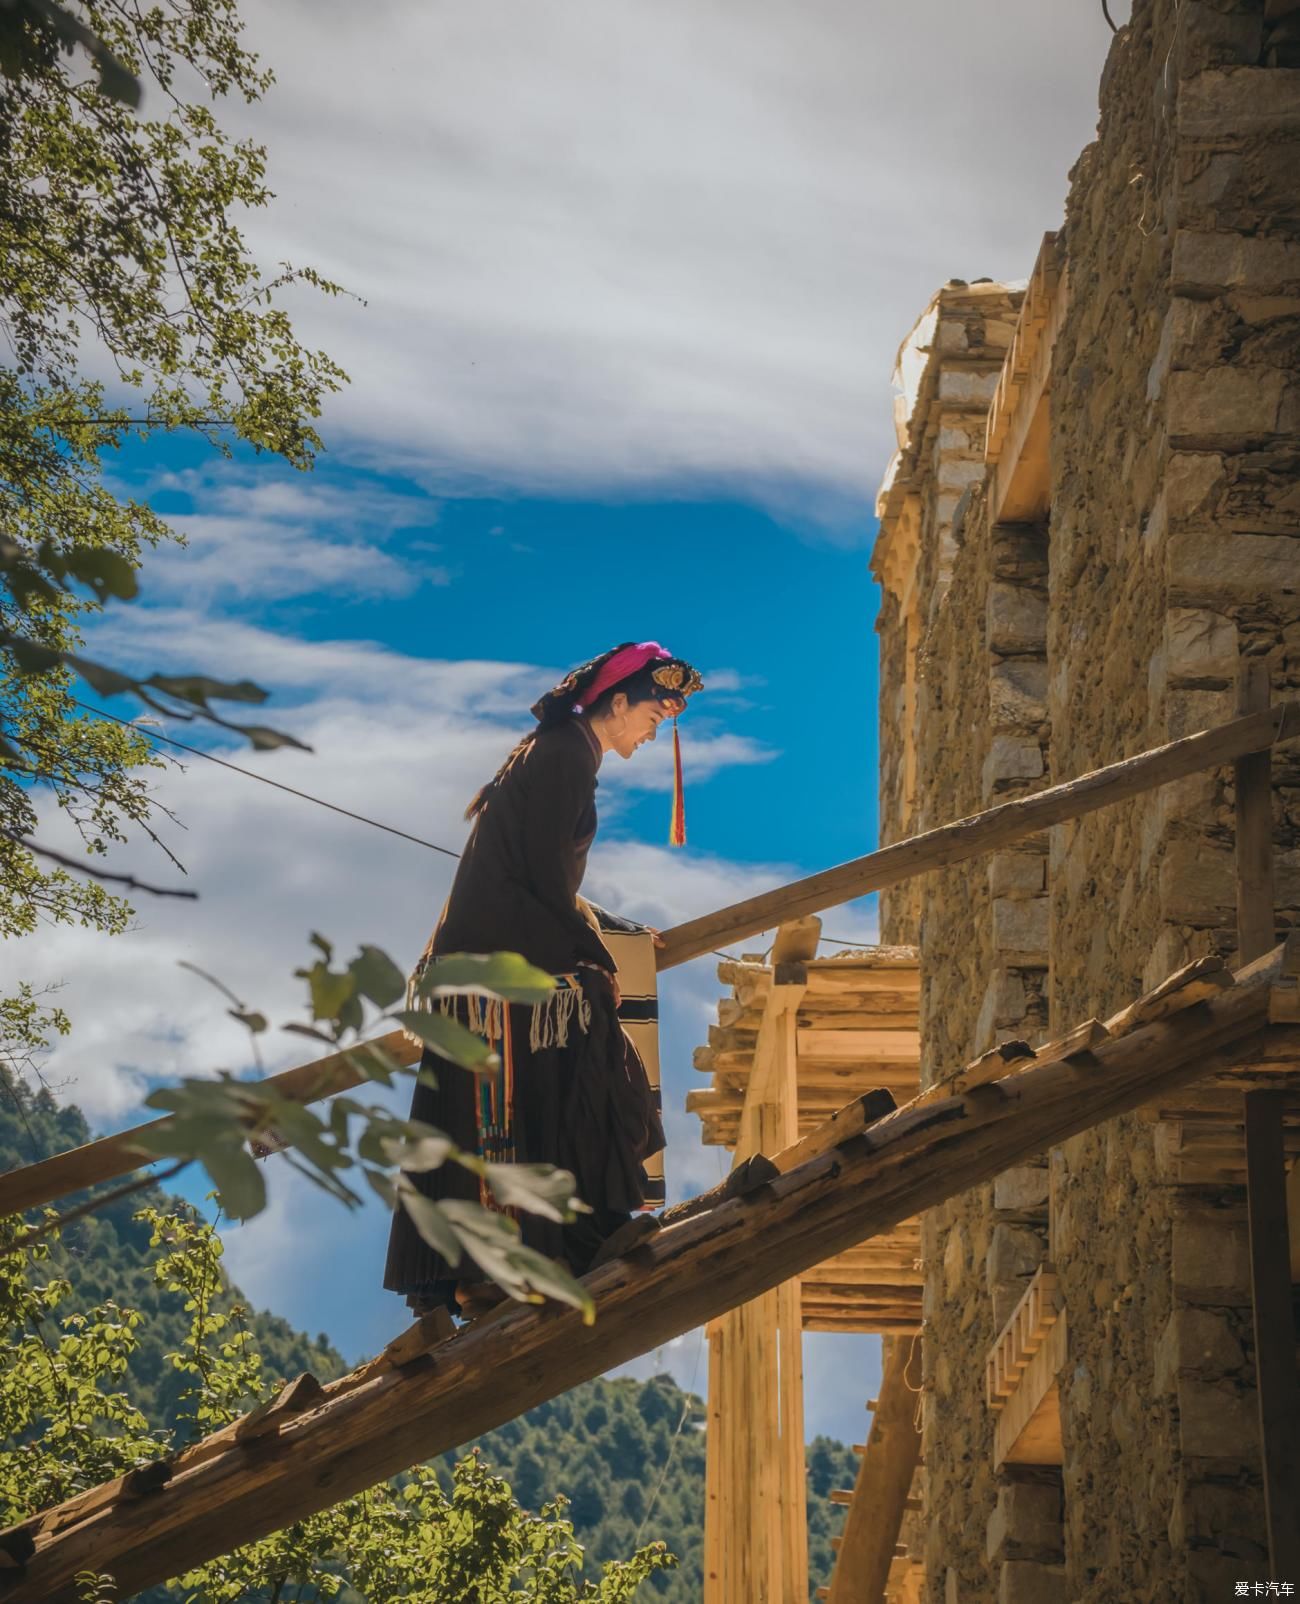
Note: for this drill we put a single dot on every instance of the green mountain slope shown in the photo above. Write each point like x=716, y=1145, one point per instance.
x=629, y=1454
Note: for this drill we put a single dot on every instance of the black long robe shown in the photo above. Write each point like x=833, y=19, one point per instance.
x=585, y=1106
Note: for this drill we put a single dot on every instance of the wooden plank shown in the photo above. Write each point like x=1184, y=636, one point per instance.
x=884, y=1481
x=758, y=1519
x=114, y=1156
x=682, y=1277
x=1256, y=913
x=1277, y=1386
x=714, y=1470
x=860, y=1046
x=796, y=941
x=1193, y=983
x=981, y=833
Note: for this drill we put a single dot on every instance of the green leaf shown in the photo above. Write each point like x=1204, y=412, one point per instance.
x=492, y=1240
x=372, y=1062
x=325, y=948
x=378, y=977
x=449, y=1038
x=199, y=689
x=106, y=681
x=239, y=1182
x=383, y=1185
x=264, y=739
x=331, y=991
x=107, y=573
x=538, y=1188
x=31, y=657
x=417, y=1156
x=428, y=1219
x=309, y=1032
x=500, y=974
x=255, y=1022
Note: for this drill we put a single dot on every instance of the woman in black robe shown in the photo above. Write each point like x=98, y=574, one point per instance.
x=571, y=1090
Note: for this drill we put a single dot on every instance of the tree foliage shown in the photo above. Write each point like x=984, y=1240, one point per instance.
x=107, y=1257
x=221, y=1122
x=130, y=304
x=67, y=1425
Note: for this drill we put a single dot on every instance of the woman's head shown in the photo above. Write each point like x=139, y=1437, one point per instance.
x=632, y=692
x=630, y=713
x=624, y=694
x=642, y=672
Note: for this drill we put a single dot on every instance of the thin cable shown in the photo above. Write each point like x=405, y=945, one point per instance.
x=672, y=1446
x=279, y=785
x=1105, y=11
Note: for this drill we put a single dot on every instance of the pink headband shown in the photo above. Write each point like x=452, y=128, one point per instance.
x=619, y=667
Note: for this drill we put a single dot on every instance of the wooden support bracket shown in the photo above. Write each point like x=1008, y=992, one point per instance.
x=413, y=1343
x=1277, y=1386
x=1256, y=915
x=303, y=1393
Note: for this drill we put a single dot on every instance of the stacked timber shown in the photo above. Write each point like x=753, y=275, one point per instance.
x=855, y=1031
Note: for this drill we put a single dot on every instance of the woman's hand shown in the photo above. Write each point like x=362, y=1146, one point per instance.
x=658, y=936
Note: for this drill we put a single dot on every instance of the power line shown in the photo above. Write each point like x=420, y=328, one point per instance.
x=251, y=774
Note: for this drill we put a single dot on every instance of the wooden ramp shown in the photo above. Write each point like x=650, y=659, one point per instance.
x=841, y=1185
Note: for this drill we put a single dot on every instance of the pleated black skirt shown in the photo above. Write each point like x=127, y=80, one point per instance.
x=584, y=1106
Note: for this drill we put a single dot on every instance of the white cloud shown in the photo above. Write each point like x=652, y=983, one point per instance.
x=272, y=534
x=606, y=243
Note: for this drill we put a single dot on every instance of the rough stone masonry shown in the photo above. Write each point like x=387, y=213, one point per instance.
x=1155, y=542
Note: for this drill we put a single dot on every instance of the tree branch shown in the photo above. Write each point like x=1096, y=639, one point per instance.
x=75, y=864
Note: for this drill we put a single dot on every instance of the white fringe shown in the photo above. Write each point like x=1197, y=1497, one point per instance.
x=549, y=1025
x=551, y=1019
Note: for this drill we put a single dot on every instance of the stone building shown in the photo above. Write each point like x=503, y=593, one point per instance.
x=1092, y=520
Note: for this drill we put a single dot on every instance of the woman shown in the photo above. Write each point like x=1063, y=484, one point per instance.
x=571, y=1090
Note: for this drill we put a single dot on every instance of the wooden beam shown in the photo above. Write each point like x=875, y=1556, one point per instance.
x=861, y=1046
x=373, y=1426
x=114, y=1156
x=1277, y=1387
x=969, y=838
x=876, y=1509
x=1256, y=914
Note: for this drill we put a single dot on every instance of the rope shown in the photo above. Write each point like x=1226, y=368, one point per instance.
x=917, y=1391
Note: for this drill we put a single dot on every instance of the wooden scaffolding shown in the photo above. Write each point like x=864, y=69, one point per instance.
x=796, y=1039
x=803, y=1198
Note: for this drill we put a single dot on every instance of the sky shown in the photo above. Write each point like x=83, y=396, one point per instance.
x=628, y=282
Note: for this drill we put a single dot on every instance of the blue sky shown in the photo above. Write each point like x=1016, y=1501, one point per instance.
x=629, y=285
x=779, y=758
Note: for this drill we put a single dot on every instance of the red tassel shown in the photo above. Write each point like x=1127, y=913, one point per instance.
x=677, y=830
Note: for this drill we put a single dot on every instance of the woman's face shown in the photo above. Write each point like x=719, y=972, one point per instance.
x=630, y=726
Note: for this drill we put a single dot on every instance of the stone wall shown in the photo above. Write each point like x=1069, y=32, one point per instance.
x=1181, y=351
x=1014, y=656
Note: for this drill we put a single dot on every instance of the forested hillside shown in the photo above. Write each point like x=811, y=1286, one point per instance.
x=629, y=1454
